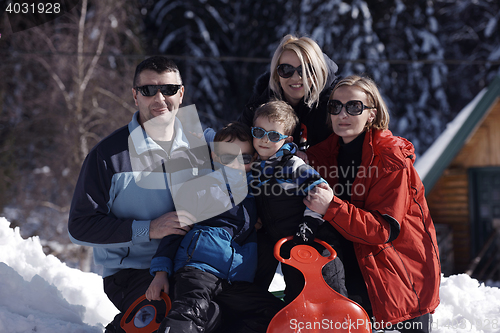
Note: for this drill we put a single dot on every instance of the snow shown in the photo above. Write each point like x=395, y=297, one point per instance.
x=39, y=293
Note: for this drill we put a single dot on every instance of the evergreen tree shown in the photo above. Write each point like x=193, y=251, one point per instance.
x=469, y=33
x=254, y=40
x=417, y=78
x=196, y=34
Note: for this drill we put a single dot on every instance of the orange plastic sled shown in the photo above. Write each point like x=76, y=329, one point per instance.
x=144, y=316
x=318, y=308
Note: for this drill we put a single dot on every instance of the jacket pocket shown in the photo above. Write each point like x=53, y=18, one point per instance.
x=208, y=249
x=388, y=279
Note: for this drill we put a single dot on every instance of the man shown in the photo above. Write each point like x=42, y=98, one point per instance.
x=122, y=205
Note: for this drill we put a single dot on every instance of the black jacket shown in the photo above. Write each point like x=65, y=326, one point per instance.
x=314, y=118
x=279, y=185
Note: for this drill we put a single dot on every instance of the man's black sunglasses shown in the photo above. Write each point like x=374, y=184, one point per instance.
x=287, y=70
x=165, y=89
x=354, y=108
x=229, y=158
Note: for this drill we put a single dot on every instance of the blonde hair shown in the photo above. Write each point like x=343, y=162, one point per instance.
x=308, y=52
x=369, y=87
x=280, y=112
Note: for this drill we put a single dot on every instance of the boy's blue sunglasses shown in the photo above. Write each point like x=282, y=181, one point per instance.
x=273, y=136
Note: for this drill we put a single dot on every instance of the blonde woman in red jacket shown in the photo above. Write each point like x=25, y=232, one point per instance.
x=376, y=201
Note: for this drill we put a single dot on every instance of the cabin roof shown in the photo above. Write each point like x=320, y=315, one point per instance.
x=441, y=153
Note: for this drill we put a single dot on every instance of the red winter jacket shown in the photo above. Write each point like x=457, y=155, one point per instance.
x=389, y=222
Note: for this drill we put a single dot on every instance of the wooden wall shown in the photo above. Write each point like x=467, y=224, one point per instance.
x=483, y=148
x=449, y=198
x=449, y=204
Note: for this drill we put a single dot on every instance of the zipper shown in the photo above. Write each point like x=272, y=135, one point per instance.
x=166, y=175
x=190, y=255
x=425, y=227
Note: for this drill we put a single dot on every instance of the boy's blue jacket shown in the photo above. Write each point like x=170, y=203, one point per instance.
x=224, y=244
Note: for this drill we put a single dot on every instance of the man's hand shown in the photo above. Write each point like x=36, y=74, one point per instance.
x=319, y=198
x=159, y=283
x=178, y=223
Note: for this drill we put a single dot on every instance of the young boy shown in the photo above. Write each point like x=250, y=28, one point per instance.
x=216, y=260
x=280, y=182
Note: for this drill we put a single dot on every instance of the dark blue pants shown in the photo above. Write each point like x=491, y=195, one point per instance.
x=122, y=289
x=419, y=324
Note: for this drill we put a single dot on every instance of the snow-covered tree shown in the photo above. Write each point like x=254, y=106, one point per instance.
x=419, y=52
x=471, y=40
x=196, y=35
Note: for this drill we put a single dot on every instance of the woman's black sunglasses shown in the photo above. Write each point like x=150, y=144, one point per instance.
x=165, y=89
x=354, y=108
x=287, y=70
x=229, y=158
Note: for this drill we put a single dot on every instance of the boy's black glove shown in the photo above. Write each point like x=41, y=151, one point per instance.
x=305, y=232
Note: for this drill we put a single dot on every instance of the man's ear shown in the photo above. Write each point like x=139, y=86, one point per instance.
x=181, y=94
x=134, y=94
x=289, y=139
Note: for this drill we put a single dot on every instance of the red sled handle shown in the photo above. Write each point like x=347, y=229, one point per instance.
x=317, y=303
x=277, y=247
x=127, y=321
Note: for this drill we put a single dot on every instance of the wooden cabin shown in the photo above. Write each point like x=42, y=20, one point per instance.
x=461, y=175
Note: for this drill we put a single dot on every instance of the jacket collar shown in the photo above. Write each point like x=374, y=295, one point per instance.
x=366, y=154
x=288, y=148
x=394, y=149
x=143, y=142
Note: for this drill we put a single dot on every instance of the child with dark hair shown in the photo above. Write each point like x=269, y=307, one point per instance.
x=216, y=260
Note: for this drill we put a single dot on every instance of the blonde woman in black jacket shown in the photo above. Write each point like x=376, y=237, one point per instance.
x=303, y=76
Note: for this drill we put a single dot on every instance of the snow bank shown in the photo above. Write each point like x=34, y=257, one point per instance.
x=40, y=293
x=467, y=306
